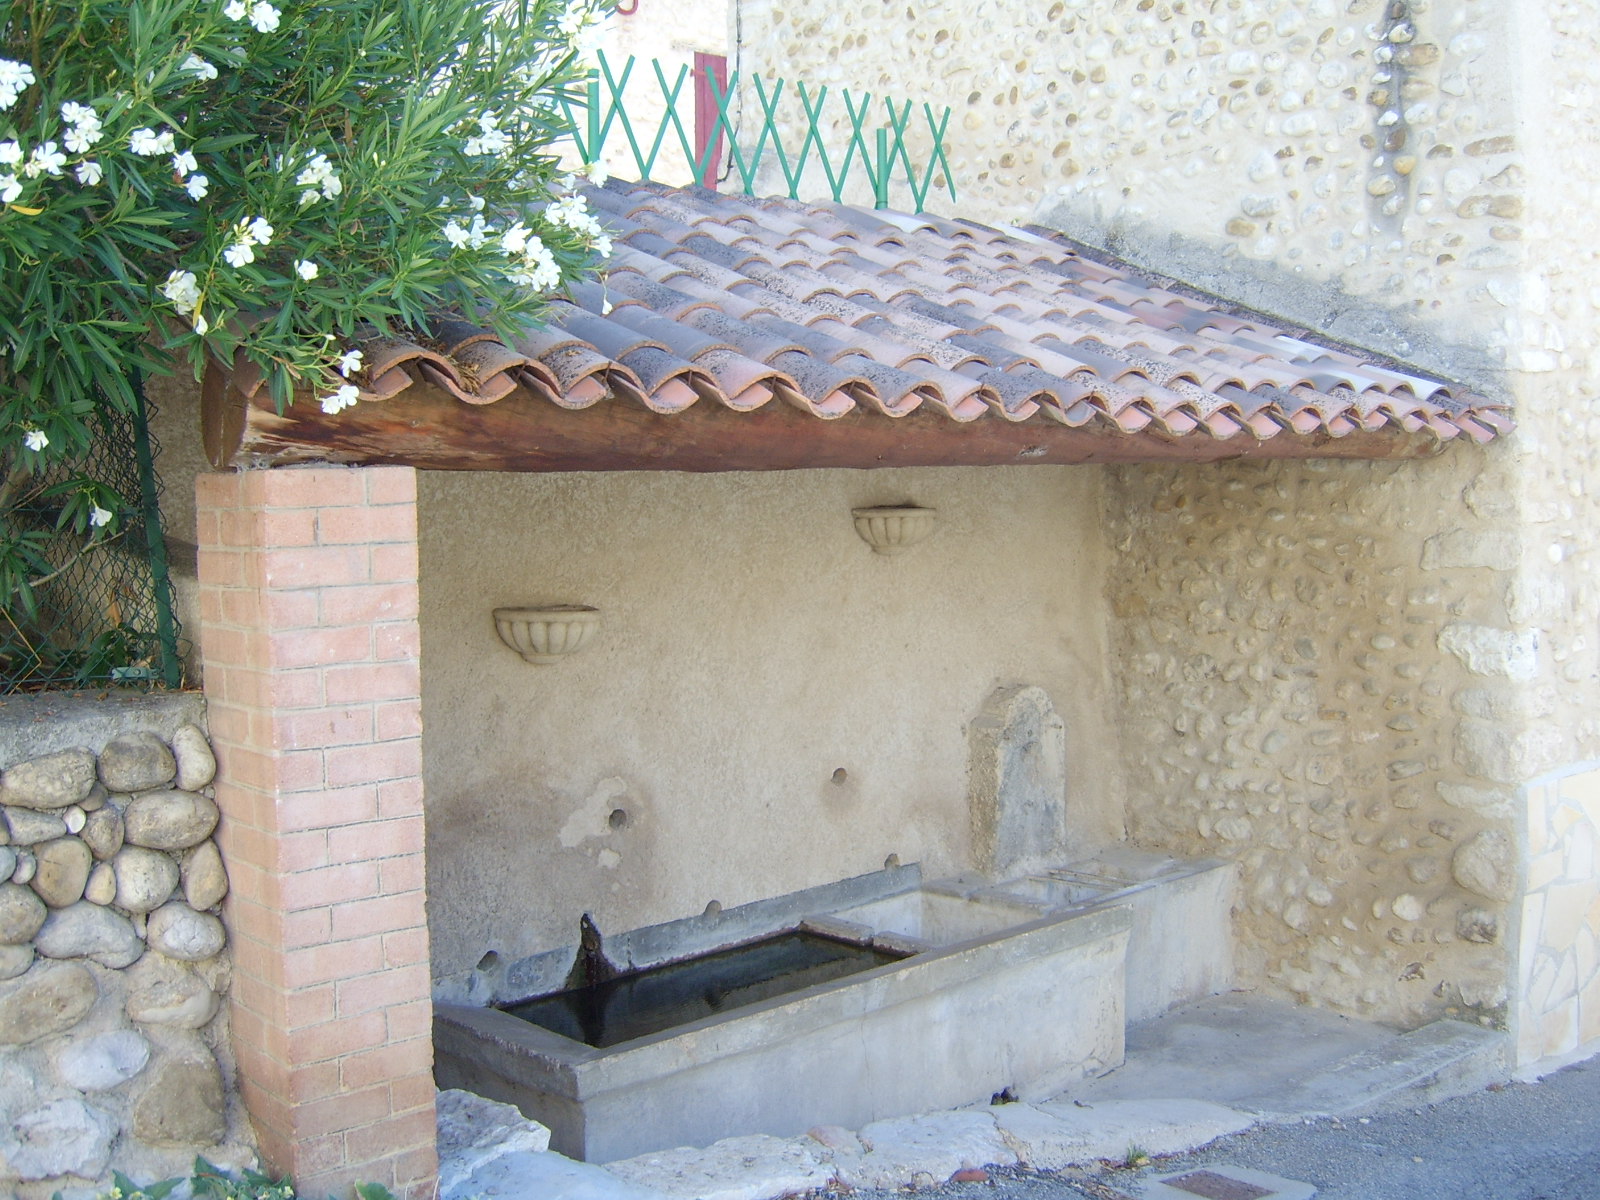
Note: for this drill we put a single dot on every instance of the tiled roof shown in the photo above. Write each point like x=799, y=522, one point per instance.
x=720, y=300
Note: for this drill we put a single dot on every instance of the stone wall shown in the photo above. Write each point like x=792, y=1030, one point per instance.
x=1316, y=679
x=114, y=1047
x=1355, y=163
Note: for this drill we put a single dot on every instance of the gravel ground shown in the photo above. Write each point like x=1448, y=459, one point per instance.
x=1538, y=1141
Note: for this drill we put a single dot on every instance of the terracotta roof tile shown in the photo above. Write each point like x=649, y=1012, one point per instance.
x=725, y=301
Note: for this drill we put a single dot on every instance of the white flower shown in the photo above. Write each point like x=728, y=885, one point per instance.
x=235, y=10
x=306, y=269
x=453, y=233
x=45, y=160
x=197, y=186
x=10, y=154
x=318, y=177
x=349, y=361
x=99, y=516
x=239, y=254
x=595, y=172
x=148, y=143
x=340, y=400
x=537, y=269
x=85, y=129
x=183, y=163
x=34, y=439
x=475, y=203
x=201, y=325
x=514, y=240
x=183, y=289
x=10, y=188
x=205, y=70
x=264, y=17
x=258, y=231
x=14, y=76
x=491, y=139
x=88, y=172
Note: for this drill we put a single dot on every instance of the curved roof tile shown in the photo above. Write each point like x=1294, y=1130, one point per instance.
x=725, y=300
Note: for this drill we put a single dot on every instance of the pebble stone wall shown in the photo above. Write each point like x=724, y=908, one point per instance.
x=1311, y=152
x=1318, y=684
x=113, y=1041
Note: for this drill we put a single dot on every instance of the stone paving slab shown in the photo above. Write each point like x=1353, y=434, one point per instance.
x=922, y=1150
x=546, y=1175
x=756, y=1167
x=1058, y=1134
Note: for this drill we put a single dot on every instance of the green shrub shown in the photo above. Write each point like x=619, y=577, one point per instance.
x=181, y=179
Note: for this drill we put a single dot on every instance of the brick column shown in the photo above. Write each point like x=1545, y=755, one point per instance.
x=308, y=606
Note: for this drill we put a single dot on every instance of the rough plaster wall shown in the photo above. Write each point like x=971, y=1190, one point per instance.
x=1559, y=1008
x=672, y=34
x=751, y=646
x=1352, y=163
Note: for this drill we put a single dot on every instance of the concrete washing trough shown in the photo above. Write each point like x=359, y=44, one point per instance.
x=976, y=988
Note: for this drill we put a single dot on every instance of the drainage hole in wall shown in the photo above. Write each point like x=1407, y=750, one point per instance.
x=713, y=907
x=840, y=775
x=489, y=961
x=619, y=818
x=892, y=861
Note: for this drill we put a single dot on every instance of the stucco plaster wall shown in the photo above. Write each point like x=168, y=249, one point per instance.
x=751, y=646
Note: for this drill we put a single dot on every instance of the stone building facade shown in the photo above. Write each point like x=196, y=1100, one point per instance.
x=1371, y=684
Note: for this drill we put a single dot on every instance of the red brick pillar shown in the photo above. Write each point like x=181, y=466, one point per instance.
x=308, y=606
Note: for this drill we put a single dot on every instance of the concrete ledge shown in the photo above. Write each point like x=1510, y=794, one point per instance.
x=37, y=724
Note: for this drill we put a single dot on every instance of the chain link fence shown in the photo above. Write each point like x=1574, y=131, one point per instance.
x=104, y=612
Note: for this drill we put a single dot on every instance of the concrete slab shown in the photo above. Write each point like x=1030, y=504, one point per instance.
x=755, y=1167
x=1233, y=1050
x=1444, y=1058
x=525, y=1174
x=1223, y=1182
x=922, y=1150
x=1052, y=1136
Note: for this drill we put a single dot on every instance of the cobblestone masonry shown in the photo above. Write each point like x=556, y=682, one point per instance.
x=114, y=1049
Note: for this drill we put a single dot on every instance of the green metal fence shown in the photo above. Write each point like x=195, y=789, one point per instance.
x=103, y=612
x=880, y=140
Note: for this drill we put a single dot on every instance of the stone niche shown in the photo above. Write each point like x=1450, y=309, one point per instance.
x=113, y=960
x=1017, y=783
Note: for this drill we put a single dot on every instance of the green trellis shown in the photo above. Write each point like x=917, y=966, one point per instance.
x=878, y=148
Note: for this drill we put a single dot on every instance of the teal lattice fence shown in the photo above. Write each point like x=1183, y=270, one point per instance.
x=883, y=138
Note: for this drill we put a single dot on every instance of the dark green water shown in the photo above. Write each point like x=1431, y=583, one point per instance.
x=658, y=998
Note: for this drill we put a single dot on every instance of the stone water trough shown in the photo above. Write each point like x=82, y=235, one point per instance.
x=869, y=998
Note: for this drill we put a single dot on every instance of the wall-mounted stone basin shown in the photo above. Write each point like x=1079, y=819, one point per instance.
x=998, y=990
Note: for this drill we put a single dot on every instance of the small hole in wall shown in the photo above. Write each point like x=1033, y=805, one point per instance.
x=619, y=818
x=713, y=907
x=840, y=775
x=489, y=961
x=892, y=861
